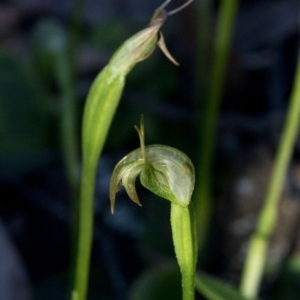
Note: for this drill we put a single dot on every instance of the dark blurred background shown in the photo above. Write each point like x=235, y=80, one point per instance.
x=35, y=239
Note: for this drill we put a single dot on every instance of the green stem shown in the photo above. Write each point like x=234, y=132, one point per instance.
x=85, y=231
x=255, y=261
x=209, y=117
x=184, y=239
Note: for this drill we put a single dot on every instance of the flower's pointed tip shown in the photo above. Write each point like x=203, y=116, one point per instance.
x=112, y=197
x=135, y=199
x=112, y=207
x=139, y=204
x=161, y=44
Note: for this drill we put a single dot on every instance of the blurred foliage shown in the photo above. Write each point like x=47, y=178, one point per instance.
x=45, y=49
x=23, y=115
x=118, y=32
x=159, y=282
x=287, y=285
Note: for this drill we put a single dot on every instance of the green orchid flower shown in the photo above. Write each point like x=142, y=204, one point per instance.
x=165, y=171
x=168, y=173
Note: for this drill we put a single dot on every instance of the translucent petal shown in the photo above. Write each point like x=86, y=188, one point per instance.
x=125, y=173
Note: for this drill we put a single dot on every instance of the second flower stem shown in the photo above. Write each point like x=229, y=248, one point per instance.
x=255, y=261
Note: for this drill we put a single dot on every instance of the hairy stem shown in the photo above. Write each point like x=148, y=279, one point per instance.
x=184, y=239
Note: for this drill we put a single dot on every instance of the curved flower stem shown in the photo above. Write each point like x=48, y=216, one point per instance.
x=184, y=239
x=255, y=261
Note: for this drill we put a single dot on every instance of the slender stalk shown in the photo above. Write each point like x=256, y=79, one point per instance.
x=69, y=140
x=66, y=62
x=255, y=261
x=184, y=239
x=69, y=134
x=209, y=117
x=70, y=146
x=73, y=46
x=65, y=66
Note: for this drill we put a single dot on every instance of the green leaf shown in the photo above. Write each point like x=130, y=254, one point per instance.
x=214, y=289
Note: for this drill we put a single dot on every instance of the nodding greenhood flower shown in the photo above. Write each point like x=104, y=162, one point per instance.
x=165, y=171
